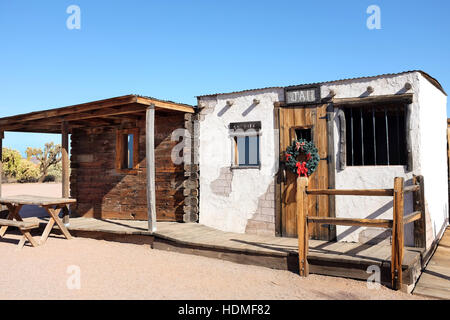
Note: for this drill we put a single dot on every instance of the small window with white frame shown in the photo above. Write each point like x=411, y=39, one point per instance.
x=245, y=137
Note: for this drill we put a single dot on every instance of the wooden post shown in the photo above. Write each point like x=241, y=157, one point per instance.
x=397, y=234
x=150, y=155
x=65, y=168
x=331, y=169
x=420, y=235
x=302, y=226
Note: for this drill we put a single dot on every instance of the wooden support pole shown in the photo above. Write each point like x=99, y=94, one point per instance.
x=302, y=226
x=420, y=235
x=150, y=156
x=397, y=234
x=65, y=168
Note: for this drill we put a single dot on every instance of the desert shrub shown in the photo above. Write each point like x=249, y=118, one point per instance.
x=27, y=172
x=11, y=162
x=18, y=169
x=49, y=178
x=50, y=156
x=54, y=173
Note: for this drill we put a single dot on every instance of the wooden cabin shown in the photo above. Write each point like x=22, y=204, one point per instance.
x=113, y=142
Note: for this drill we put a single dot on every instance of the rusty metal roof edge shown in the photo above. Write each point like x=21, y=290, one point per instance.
x=426, y=75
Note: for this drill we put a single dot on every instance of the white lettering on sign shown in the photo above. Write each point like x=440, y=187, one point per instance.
x=301, y=96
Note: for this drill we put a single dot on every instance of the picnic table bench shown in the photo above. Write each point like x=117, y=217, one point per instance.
x=53, y=206
x=25, y=227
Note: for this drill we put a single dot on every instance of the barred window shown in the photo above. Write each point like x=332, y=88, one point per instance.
x=376, y=135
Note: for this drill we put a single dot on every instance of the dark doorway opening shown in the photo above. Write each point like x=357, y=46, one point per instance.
x=303, y=133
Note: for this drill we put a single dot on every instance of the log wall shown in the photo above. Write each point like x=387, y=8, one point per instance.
x=104, y=192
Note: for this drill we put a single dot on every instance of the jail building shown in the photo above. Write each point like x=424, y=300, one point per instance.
x=367, y=131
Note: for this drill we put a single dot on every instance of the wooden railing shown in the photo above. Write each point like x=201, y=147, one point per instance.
x=397, y=223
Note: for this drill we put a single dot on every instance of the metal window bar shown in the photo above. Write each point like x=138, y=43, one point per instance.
x=387, y=135
x=362, y=135
x=374, y=136
x=351, y=126
x=398, y=137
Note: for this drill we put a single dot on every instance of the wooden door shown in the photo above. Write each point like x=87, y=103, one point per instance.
x=304, y=121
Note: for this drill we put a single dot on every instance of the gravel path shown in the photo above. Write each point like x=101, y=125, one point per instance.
x=112, y=270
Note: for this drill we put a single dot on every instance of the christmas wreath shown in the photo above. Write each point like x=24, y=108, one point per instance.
x=302, y=157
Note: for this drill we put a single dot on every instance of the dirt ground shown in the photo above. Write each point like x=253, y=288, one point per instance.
x=94, y=269
x=37, y=189
x=110, y=270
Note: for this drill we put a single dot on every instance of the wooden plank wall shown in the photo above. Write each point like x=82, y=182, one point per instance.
x=306, y=117
x=103, y=192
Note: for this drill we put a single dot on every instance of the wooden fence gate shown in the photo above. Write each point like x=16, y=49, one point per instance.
x=396, y=224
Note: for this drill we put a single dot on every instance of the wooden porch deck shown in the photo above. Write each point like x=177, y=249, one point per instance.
x=435, y=279
x=349, y=260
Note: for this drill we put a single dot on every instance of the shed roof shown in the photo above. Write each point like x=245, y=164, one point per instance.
x=426, y=75
x=102, y=112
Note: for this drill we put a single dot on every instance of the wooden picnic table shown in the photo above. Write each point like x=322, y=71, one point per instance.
x=53, y=206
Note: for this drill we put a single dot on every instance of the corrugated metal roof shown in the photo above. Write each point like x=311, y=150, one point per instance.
x=426, y=75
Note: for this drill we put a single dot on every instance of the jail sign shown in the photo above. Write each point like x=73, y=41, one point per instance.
x=302, y=95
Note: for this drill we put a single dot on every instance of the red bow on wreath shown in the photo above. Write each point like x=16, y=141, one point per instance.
x=299, y=145
x=287, y=156
x=301, y=169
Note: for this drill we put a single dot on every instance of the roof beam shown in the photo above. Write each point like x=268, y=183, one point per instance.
x=40, y=127
x=165, y=105
x=126, y=109
x=403, y=98
x=70, y=110
x=132, y=117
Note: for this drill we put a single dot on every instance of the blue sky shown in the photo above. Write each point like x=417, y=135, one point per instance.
x=177, y=50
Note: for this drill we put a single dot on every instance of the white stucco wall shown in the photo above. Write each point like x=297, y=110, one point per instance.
x=433, y=153
x=232, y=212
x=374, y=177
